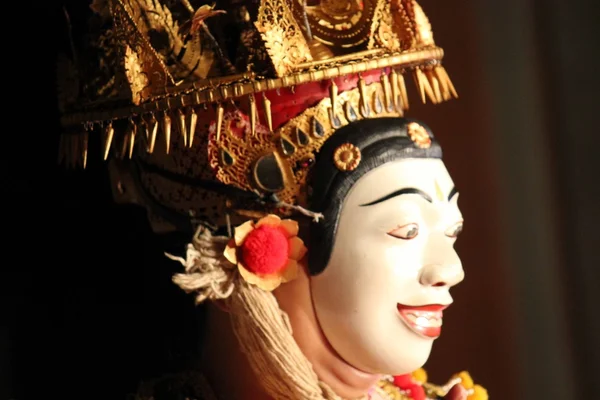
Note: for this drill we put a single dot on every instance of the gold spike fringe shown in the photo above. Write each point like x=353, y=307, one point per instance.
x=192, y=128
x=151, y=132
x=268, y=116
x=253, y=111
x=425, y=89
x=364, y=101
x=448, y=90
x=435, y=85
x=444, y=87
x=220, y=112
x=387, y=91
x=181, y=126
x=132, y=132
x=403, y=93
x=84, y=150
x=109, y=134
x=395, y=90
x=333, y=92
x=167, y=131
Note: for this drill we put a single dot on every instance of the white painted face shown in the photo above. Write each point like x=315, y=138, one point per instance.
x=379, y=301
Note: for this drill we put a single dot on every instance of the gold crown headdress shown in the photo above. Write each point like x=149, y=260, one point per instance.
x=275, y=77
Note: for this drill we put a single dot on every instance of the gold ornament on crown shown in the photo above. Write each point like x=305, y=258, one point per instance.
x=235, y=153
x=282, y=36
x=159, y=68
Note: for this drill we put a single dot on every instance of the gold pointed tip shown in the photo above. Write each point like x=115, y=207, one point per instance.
x=425, y=89
x=167, y=132
x=268, y=116
x=109, y=134
x=84, y=151
x=434, y=83
x=131, y=143
x=443, y=85
x=182, y=127
x=253, y=113
x=403, y=94
x=419, y=85
x=387, y=91
x=153, y=130
x=445, y=78
x=395, y=89
x=192, y=128
x=220, y=113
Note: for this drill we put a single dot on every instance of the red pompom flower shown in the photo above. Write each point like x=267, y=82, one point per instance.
x=266, y=252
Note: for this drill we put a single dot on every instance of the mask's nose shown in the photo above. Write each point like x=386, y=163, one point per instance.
x=443, y=268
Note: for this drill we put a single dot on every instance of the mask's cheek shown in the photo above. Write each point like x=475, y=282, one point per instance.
x=295, y=300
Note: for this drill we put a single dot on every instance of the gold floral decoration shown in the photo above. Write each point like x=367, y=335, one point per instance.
x=418, y=134
x=347, y=157
x=475, y=391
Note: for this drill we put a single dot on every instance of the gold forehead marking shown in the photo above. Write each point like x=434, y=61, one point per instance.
x=438, y=190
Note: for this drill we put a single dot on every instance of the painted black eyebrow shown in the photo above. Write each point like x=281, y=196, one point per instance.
x=452, y=193
x=399, y=193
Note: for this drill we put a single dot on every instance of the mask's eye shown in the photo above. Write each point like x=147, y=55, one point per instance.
x=455, y=230
x=406, y=232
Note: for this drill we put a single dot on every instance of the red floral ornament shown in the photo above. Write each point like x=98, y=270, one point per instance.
x=412, y=387
x=266, y=252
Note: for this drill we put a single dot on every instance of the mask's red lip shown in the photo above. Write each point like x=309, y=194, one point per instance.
x=424, y=320
x=426, y=307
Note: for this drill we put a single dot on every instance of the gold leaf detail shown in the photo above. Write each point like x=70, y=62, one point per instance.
x=383, y=33
x=131, y=37
x=135, y=75
x=424, y=34
x=282, y=36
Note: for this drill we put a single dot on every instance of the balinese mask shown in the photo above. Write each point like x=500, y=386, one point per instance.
x=273, y=132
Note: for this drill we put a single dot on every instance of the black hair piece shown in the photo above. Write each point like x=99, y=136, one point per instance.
x=380, y=141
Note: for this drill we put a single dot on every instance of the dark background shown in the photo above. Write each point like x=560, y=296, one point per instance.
x=89, y=308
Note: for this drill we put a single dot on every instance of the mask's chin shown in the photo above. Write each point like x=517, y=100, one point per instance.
x=420, y=343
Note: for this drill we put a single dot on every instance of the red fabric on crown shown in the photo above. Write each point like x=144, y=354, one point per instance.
x=292, y=102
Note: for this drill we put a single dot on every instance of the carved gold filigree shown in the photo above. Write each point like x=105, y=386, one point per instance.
x=188, y=57
x=383, y=33
x=343, y=25
x=233, y=147
x=400, y=25
x=282, y=36
x=130, y=36
x=294, y=144
x=135, y=75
